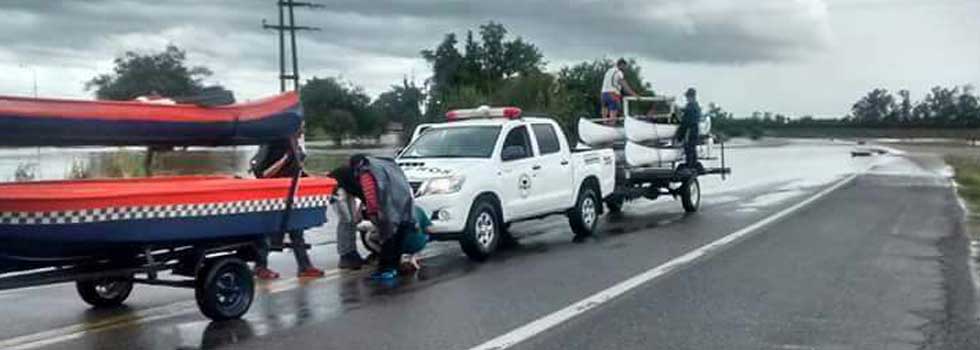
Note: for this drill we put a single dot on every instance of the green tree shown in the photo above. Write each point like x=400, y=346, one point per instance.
x=479, y=72
x=403, y=104
x=967, y=107
x=446, y=62
x=941, y=102
x=472, y=69
x=342, y=124
x=492, y=54
x=904, y=108
x=921, y=113
x=339, y=109
x=873, y=108
x=522, y=58
x=136, y=74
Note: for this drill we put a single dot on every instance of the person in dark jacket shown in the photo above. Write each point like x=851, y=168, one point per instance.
x=688, y=132
x=389, y=204
x=275, y=160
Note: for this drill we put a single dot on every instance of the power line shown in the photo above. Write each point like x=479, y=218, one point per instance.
x=282, y=28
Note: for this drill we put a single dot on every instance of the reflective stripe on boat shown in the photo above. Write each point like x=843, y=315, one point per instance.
x=157, y=211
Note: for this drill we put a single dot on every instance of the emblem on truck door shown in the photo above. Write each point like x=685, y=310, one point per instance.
x=524, y=184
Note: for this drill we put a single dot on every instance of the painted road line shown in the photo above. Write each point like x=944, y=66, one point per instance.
x=63, y=334
x=549, y=321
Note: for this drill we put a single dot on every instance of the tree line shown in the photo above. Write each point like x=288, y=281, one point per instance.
x=942, y=107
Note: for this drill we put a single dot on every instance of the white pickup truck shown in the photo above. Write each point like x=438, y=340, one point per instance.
x=488, y=167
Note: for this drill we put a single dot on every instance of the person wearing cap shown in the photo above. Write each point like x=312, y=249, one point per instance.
x=613, y=85
x=688, y=132
x=389, y=205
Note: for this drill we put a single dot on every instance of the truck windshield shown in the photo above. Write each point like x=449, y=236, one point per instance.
x=454, y=142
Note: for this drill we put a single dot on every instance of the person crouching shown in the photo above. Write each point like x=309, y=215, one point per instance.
x=389, y=204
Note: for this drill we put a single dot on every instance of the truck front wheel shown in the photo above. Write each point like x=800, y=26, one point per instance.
x=584, y=217
x=483, y=231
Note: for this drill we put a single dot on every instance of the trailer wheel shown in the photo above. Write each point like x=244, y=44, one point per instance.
x=482, y=231
x=691, y=195
x=585, y=216
x=225, y=288
x=104, y=292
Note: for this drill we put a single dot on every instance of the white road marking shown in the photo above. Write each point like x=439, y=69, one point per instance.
x=549, y=321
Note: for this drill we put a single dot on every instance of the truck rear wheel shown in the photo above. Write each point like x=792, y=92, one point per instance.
x=584, y=217
x=483, y=231
x=691, y=195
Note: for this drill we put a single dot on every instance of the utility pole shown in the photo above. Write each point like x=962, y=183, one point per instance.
x=291, y=28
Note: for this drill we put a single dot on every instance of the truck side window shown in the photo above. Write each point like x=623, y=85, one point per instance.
x=547, y=138
x=517, y=145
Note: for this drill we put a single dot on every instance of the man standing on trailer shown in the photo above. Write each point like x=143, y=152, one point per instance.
x=613, y=85
x=688, y=132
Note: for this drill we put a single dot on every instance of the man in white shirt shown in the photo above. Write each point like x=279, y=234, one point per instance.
x=613, y=83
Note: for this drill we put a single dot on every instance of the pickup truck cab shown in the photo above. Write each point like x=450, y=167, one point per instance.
x=488, y=167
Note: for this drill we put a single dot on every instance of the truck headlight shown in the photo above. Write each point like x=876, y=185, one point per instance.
x=442, y=185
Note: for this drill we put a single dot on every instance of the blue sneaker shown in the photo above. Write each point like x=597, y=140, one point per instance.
x=385, y=275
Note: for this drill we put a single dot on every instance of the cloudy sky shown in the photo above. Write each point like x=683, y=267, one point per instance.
x=788, y=56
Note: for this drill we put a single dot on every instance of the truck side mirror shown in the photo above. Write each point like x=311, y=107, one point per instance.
x=513, y=152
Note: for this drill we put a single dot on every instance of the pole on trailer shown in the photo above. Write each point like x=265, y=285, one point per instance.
x=293, y=185
x=282, y=52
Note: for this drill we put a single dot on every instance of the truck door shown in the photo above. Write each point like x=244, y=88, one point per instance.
x=551, y=172
x=516, y=183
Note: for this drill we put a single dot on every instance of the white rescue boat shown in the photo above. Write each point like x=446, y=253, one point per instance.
x=641, y=131
x=593, y=133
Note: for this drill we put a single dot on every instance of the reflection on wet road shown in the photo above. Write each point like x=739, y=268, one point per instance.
x=452, y=302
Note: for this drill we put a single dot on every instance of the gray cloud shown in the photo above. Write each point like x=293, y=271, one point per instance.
x=841, y=44
x=718, y=31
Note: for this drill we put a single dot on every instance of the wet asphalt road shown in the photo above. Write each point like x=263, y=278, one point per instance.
x=879, y=263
